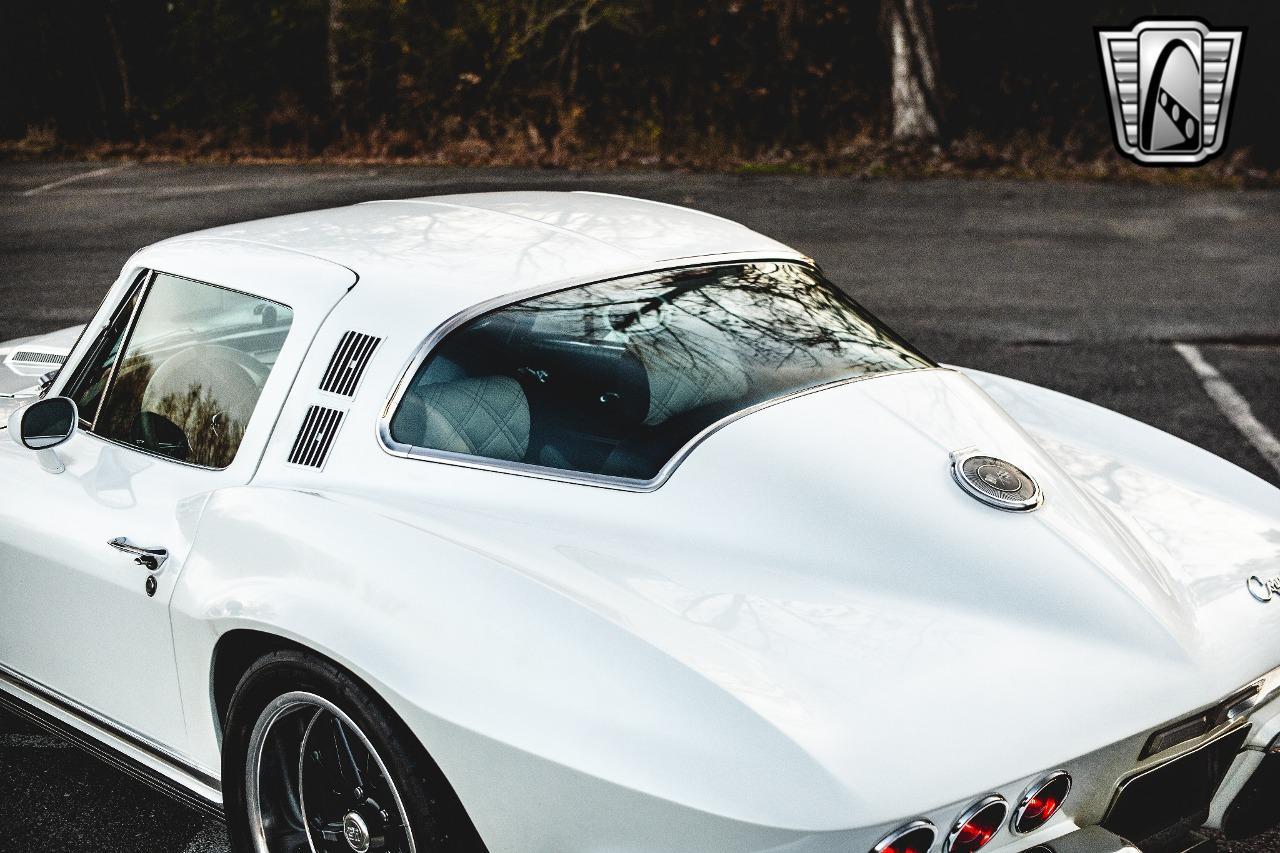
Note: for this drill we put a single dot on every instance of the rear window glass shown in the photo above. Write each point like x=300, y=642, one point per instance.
x=614, y=378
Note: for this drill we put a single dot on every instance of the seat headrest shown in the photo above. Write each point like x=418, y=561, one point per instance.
x=701, y=370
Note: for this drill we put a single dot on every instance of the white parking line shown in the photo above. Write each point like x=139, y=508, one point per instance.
x=277, y=182
x=1235, y=407
x=33, y=742
x=96, y=173
x=212, y=838
x=196, y=189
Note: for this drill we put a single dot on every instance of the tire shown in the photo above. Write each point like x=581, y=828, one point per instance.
x=371, y=784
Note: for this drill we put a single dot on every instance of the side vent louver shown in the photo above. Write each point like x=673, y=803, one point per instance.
x=319, y=428
x=348, y=363
x=39, y=357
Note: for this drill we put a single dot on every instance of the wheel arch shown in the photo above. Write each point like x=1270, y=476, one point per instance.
x=233, y=654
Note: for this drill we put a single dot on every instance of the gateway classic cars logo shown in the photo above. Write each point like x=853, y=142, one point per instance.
x=1170, y=84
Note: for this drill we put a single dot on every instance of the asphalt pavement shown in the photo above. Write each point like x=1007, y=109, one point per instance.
x=1160, y=302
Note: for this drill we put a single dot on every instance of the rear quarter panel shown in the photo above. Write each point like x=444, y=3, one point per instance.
x=558, y=731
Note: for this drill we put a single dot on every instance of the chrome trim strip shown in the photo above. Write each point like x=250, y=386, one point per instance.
x=1231, y=729
x=1268, y=689
x=93, y=720
x=408, y=451
x=113, y=758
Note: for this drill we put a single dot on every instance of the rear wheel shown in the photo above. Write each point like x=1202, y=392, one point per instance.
x=312, y=763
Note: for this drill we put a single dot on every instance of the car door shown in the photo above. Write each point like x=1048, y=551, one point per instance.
x=172, y=407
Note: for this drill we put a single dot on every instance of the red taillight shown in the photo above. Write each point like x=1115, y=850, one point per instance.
x=977, y=825
x=915, y=837
x=1041, y=801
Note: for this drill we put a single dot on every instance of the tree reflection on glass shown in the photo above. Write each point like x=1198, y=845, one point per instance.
x=779, y=321
x=620, y=374
x=190, y=425
x=194, y=365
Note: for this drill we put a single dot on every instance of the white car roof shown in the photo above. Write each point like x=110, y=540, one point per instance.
x=473, y=247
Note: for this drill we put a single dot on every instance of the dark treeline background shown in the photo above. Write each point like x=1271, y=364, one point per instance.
x=551, y=80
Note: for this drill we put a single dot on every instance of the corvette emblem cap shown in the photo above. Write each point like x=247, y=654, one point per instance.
x=356, y=832
x=995, y=482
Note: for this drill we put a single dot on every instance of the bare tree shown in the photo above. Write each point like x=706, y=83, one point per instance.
x=336, y=24
x=914, y=65
x=122, y=67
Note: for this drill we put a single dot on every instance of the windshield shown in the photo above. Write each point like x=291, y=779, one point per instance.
x=613, y=378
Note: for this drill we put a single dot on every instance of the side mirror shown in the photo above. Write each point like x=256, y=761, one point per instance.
x=42, y=426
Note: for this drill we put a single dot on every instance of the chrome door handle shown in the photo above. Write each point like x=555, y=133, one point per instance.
x=151, y=558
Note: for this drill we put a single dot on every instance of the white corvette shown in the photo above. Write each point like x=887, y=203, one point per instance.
x=545, y=523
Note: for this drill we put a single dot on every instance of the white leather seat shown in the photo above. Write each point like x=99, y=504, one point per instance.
x=482, y=416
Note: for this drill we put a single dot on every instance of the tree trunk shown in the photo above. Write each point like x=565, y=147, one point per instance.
x=122, y=68
x=336, y=24
x=914, y=63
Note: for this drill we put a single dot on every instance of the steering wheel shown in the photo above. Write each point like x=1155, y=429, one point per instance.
x=206, y=394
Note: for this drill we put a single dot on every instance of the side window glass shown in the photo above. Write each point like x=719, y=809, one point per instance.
x=192, y=370
x=94, y=371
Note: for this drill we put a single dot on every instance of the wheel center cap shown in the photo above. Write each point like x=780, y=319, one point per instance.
x=356, y=831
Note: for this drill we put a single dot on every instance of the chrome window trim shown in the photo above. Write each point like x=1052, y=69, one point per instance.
x=67, y=375
x=141, y=284
x=144, y=292
x=582, y=478
x=144, y=452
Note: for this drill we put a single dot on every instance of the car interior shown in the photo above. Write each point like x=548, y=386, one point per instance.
x=617, y=409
